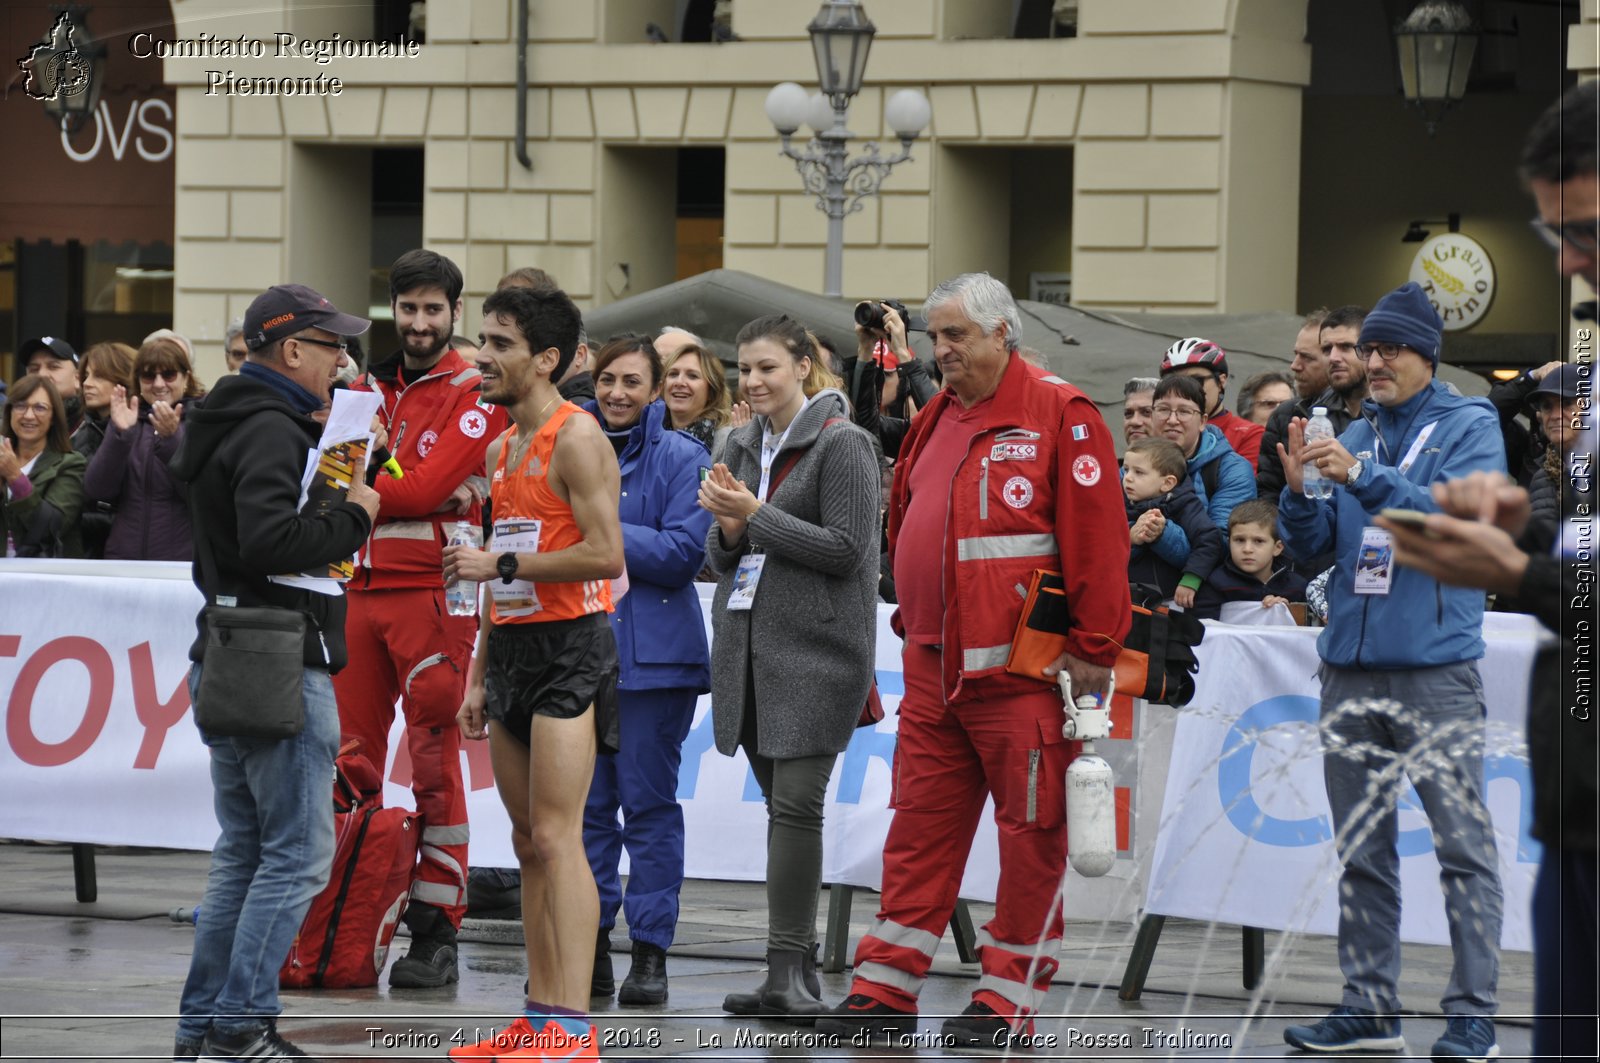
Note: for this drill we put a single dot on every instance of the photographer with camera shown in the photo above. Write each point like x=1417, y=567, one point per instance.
x=887, y=383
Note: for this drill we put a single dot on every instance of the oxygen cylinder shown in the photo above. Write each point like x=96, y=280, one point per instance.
x=1091, y=815
x=1091, y=794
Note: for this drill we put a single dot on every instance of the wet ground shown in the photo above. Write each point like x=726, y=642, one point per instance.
x=100, y=981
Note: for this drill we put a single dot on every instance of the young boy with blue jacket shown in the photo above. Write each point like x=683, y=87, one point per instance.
x=1174, y=544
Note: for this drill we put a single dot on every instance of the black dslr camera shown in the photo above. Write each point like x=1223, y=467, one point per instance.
x=869, y=314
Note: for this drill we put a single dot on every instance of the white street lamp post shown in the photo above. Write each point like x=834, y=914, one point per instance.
x=841, y=36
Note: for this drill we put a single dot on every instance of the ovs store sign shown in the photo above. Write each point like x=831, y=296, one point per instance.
x=1458, y=276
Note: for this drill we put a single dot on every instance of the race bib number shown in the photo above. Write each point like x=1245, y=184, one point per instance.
x=517, y=598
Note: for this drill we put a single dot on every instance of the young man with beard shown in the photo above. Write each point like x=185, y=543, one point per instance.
x=403, y=643
x=544, y=678
x=1338, y=374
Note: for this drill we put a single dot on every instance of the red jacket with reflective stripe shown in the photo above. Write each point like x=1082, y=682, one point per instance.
x=1242, y=435
x=439, y=433
x=1038, y=488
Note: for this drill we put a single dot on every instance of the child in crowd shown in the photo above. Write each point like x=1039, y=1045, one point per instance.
x=1253, y=570
x=1175, y=545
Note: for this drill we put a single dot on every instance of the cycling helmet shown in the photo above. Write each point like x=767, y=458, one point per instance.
x=1195, y=351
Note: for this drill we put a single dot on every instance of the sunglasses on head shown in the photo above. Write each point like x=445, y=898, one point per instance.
x=169, y=375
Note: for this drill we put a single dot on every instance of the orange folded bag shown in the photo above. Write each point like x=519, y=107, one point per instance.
x=1041, y=634
x=1157, y=661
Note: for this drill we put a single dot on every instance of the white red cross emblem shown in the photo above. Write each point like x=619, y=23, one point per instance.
x=1086, y=470
x=1017, y=492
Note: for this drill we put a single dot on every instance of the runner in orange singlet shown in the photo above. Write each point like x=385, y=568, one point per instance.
x=545, y=673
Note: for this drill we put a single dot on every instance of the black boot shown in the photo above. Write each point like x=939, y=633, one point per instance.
x=647, y=978
x=750, y=1003
x=603, y=982
x=787, y=996
x=431, y=960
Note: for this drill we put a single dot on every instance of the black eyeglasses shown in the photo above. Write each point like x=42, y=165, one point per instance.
x=169, y=375
x=1581, y=235
x=1387, y=351
x=342, y=347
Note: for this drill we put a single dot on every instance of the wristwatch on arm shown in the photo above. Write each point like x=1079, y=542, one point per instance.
x=1353, y=474
x=506, y=564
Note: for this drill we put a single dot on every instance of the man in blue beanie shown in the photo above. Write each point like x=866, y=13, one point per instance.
x=1401, y=693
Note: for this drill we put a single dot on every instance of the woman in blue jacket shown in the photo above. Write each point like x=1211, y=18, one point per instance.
x=666, y=665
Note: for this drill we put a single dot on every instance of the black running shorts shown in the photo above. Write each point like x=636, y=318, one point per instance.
x=557, y=668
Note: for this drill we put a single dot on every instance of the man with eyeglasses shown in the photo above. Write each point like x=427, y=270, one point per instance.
x=1401, y=693
x=1474, y=546
x=404, y=644
x=243, y=454
x=1263, y=393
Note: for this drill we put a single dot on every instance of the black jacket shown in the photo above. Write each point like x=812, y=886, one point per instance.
x=579, y=389
x=243, y=456
x=1269, y=469
x=865, y=381
x=95, y=521
x=1545, y=502
x=1228, y=584
x=1563, y=749
x=1181, y=506
x=1524, y=448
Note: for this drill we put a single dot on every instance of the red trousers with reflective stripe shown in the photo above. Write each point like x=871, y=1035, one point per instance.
x=948, y=760
x=405, y=647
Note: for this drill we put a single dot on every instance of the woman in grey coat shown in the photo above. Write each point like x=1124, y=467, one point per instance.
x=792, y=650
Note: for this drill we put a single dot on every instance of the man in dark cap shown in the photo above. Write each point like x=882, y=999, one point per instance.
x=243, y=457
x=54, y=359
x=1401, y=693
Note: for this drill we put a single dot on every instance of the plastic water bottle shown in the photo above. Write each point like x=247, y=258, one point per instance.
x=1317, y=485
x=461, y=595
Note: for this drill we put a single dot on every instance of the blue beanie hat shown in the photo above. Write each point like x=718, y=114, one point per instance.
x=1406, y=316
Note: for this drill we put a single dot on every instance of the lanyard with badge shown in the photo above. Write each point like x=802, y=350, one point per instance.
x=1374, y=572
x=747, y=577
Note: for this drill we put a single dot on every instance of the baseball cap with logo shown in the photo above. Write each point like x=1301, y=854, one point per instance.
x=286, y=309
x=58, y=348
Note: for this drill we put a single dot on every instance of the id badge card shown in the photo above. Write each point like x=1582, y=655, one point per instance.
x=1375, y=562
x=518, y=597
x=746, y=578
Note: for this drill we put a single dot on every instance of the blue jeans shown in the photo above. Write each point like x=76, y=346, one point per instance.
x=1425, y=724
x=274, y=802
x=641, y=779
